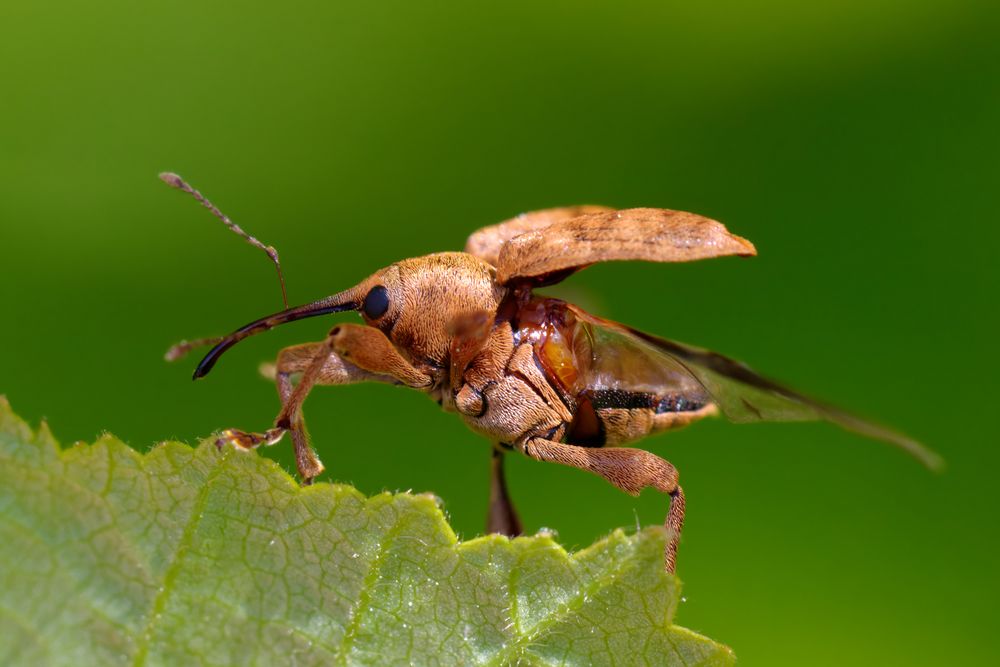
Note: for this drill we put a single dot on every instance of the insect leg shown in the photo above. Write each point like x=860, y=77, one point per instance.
x=369, y=349
x=631, y=470
x=502, y=517
x=351, y=353
x=306, y=460
x=319, y=365
x=290, y=416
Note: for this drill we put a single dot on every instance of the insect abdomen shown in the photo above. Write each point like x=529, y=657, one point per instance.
x=608, y=417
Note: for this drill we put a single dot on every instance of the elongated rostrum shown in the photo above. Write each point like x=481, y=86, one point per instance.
x=533, y=374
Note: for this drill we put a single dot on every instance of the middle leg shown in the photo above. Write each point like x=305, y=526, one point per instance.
x=502, y=517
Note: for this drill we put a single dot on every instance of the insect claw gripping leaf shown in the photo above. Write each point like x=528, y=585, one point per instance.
x=242, y=440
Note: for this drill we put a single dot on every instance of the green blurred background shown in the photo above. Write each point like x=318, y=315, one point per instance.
x=856, y=143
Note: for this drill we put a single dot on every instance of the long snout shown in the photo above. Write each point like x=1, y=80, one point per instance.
x=347, y=300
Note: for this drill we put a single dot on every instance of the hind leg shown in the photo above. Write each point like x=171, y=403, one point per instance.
x=631, y=470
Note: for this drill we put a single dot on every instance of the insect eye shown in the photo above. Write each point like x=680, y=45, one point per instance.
x=376, y=303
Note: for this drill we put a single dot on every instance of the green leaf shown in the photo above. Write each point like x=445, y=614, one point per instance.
x=191, y=556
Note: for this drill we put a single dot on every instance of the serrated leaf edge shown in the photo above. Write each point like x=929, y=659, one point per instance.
x=426, y=503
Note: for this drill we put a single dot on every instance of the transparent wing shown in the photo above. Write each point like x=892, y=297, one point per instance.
x=611, y=359
x=740, y=393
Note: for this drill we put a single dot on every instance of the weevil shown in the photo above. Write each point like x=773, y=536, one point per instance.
x=531, y=373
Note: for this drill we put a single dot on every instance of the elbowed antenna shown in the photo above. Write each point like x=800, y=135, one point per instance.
x=332, y=304
x=175, y=181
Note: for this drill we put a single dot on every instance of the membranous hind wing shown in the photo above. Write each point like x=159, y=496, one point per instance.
x=743, y=395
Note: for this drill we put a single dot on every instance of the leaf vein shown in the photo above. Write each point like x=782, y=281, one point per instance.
x=365, y=594
x=170, y=575
x=521, y=644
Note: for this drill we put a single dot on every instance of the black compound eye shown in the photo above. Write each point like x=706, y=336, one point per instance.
x=376, y=303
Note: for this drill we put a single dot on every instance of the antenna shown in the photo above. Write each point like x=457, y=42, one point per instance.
x=175, y=181
x=181, y=349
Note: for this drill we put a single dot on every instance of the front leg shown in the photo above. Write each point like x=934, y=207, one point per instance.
x=318, y=365
x=372, y=359
x=368, y=348
x=631, y=470
x=363, y=348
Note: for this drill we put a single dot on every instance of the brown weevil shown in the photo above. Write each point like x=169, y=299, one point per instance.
x=531, y=373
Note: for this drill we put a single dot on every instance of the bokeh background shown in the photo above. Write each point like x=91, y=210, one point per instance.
x=856, y=143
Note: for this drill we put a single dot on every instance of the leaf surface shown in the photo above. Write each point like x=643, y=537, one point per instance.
x=191, y=556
